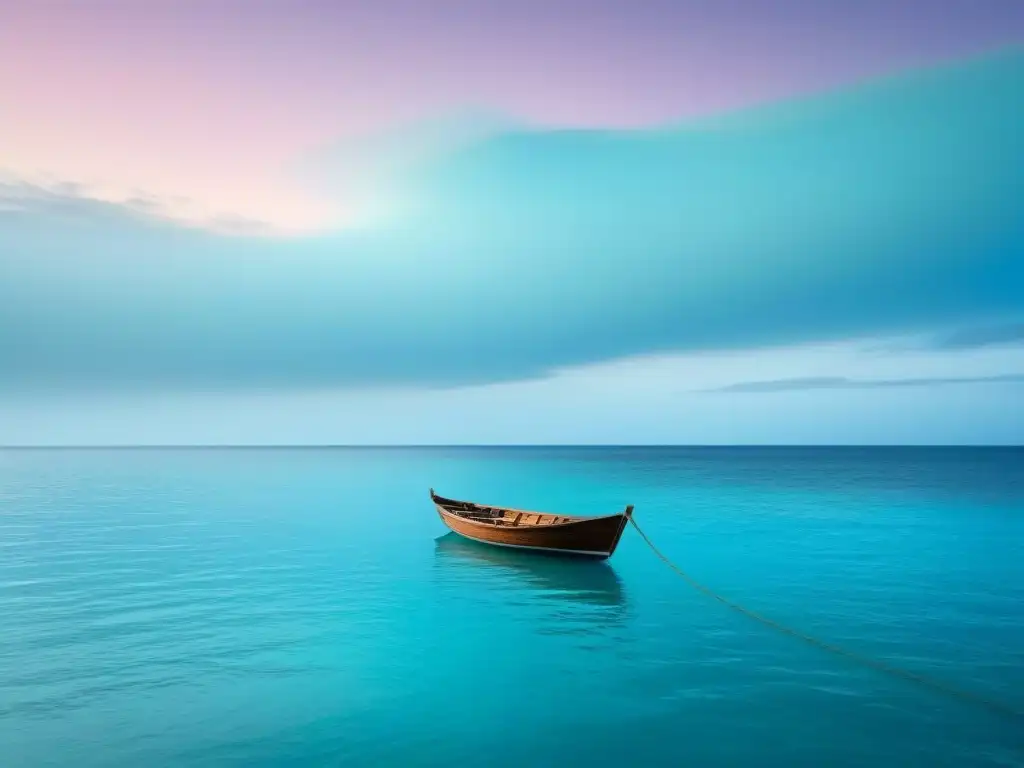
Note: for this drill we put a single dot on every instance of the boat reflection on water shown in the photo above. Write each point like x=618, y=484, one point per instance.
x=581, y=592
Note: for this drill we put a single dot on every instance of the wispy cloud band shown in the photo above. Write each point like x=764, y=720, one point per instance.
x=886, y=209
x=841, y=382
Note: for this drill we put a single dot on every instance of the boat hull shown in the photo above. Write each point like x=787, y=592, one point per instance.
x=590, y=537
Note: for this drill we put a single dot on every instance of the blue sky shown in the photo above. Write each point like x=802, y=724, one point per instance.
x=843, y=267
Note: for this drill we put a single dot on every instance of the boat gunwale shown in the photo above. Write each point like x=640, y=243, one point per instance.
x=442, y=501
x=575, y=519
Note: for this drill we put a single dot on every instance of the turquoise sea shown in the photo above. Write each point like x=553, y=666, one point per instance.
x=304, y=607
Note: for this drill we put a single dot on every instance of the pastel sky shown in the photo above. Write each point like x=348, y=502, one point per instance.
x=531, y=222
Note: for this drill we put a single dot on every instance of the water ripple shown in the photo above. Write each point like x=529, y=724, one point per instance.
x=267, y=608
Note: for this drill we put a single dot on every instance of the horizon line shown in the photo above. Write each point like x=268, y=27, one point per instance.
x=422, y=446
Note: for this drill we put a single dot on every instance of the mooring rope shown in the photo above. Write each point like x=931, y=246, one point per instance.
x=992, y=704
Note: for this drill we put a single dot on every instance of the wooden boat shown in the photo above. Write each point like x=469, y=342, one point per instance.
x=526, y=529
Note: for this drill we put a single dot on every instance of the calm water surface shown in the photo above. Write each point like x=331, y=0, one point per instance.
x=305, y=607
